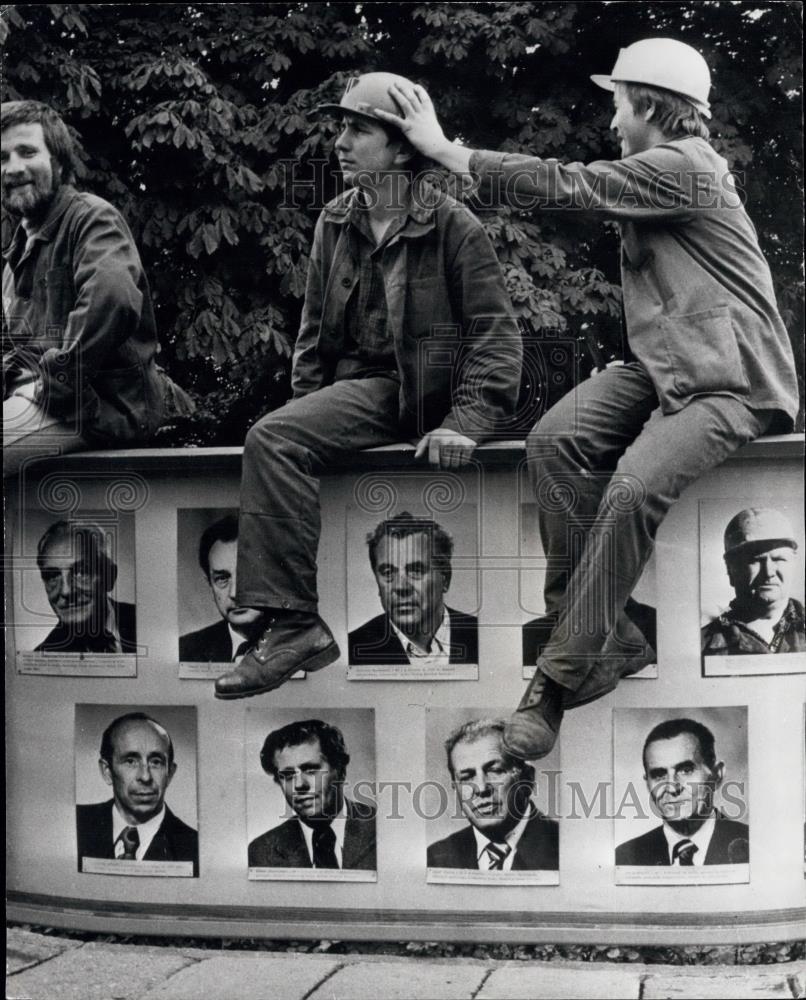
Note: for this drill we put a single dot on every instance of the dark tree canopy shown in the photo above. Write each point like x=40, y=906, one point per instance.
x=192, y=120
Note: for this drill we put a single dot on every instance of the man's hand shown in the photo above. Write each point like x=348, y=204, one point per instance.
x=420, y=126
x=445, y=448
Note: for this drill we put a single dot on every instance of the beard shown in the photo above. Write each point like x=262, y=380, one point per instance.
x=31, y=199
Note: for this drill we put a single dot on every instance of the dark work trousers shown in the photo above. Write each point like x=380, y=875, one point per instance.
x=284, y=454
x=604, y=477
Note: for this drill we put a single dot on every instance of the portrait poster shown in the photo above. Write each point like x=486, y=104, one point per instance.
x=74, y=595
x=752, y=602
x=284, y=815
x=694, y=799
x=147, y=781
x=637, y=637
x=420, y=588
x=496, y=800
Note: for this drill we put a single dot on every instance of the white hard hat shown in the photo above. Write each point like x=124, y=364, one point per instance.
x=663, y=62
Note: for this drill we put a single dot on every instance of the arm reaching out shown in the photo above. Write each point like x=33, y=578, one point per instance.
x=420, y=126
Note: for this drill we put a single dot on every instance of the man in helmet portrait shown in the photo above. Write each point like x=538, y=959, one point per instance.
x=708, y=367
x=761, y=560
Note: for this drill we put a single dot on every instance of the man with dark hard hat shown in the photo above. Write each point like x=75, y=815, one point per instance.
x=709, y=358
x=393, y=259
x=761, y=560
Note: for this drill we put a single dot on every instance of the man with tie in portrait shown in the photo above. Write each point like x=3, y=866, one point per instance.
x=137, y=762
x=308, y=760
x=230, y=637
x=682, y=774
x=495, y=790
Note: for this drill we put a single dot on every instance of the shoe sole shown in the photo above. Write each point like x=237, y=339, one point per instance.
x=328, y=655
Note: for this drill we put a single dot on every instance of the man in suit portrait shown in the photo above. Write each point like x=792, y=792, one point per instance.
x=495, y=790
x=762, y=565
x=411, y=560
x=308, y=761
x=682, y=774
x=229, y=637
x=79, y=576
x=136, y=824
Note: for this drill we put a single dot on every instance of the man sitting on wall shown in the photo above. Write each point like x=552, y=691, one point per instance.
x=79, y=337
x=392, y=259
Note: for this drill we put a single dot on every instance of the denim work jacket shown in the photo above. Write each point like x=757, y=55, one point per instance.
x=698, y=296
x=77, y=317
x=456, y=341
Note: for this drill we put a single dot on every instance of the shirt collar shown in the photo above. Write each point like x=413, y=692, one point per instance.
x=236, y=639
x=701, y=838
x=441, y=640
x=145, y=831
x=423, y=200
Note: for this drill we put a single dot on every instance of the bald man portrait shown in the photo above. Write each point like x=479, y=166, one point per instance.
x=137, y=762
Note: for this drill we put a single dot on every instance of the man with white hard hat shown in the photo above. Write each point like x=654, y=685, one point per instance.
x=709, y=358
x=761, y=560
x=393, y=260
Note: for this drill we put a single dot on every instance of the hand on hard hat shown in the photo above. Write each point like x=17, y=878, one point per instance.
x=418, y=122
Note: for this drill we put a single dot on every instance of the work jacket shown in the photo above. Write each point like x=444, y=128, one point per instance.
x=78, y=319
x=698, y=296
x=456, y=342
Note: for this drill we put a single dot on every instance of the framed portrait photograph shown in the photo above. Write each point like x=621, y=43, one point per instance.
x=491, y=818
x=136, y=790
x=752, y=587
x=412, y=593
x=681, y=796
x=635, y=636
x=213, y=631
x=310, y=795
x=75, y=609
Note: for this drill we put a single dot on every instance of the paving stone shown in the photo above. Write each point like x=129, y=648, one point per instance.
x=410, y=980
x=246, y=976
x=96, y=972
x=749, y=984
x=533, y=982
x=25, y=948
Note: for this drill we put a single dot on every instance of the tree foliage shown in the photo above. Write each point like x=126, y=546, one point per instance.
x=192, y=120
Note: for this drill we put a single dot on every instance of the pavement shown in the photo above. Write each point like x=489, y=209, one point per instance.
x=49, y=967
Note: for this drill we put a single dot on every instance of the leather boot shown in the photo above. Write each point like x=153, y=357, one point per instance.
x=532, y=731
x=289, y=641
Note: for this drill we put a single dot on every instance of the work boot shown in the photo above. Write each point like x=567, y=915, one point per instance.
x=532, y=731
x=290, y=641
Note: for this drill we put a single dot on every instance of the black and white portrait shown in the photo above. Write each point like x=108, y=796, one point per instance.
x=411, y=611
x=310, y=778
x=752, y=587
x=681, y=796
x=76, y=612
x=213, y=628
x=491, y=816
x=136, y=790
